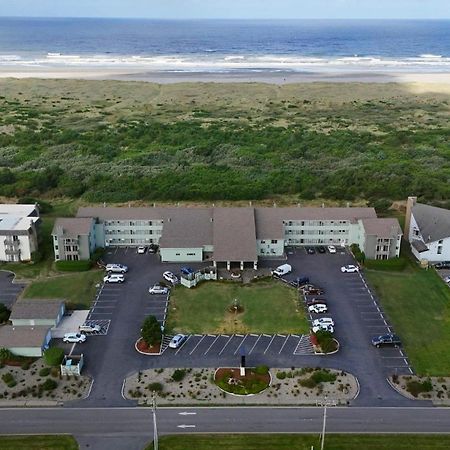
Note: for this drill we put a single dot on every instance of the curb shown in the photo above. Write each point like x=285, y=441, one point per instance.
x=240, y=395
x=331, y=353
x=404, y=394
x=143, y=353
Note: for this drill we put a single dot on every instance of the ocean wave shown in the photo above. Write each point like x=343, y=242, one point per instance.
x=214, y=62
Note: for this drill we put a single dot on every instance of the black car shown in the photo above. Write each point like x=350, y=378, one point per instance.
x=301, y=281
x=386, y=339
x=442, y=265
x=321, y=249
x=310, y=250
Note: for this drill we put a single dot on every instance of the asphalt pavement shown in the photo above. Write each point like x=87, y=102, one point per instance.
x=9, y=289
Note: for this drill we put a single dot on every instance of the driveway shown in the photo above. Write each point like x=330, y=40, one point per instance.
x=9, y=290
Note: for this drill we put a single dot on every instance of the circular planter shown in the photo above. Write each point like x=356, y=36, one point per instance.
x=142, y=348
x=235, y=374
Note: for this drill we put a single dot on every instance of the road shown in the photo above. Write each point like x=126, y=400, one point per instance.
x=131, y=428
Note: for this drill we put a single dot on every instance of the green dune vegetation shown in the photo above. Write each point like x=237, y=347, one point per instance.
x=121, y=141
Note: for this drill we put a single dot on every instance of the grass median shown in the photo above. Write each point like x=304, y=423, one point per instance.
x=38, y=442
x=304, y=442
x=267, y=307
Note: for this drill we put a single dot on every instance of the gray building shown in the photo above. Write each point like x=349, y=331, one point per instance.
x=25, y=340
x=40, y=312
x=230, y=235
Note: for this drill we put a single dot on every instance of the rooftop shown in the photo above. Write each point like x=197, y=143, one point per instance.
x=73, y=227
x=22, y=336
x=36, y=309
x=433, y=222
x=16, y=209
x=16, y=223
x=383, y=228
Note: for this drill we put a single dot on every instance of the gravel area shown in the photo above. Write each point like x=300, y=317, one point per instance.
x=37, y=383
x=436, y=389
x=288, y=387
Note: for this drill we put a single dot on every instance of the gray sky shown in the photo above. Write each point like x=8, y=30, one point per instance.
x=245, y=9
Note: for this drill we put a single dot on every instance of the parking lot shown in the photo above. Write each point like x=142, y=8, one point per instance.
x=9, y=290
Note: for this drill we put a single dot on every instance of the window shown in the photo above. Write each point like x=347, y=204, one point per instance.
x=263, y=242
x=56, y=247
x=274, y=241
x=439, y=250
x=190, y=254
x=55, y=238
x=441, y=242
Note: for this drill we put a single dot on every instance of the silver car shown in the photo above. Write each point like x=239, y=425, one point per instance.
x=158, y=290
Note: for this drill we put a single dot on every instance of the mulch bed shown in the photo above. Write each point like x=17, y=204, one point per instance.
x=236, y=373
x=144, y=348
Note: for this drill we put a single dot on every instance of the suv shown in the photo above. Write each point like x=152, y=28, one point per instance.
x=349, y=268
x=116, y=268
x=317, y=328
x=318, y=308
x=114, y=278
x=90, y=328
x=74, y=337
x=323, y=321
x=386, y=339
x=157, y=289
x=170, y=277
x=331, y=249
x=442, y=265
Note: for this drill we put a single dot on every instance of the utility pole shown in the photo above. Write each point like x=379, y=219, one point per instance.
x=326, y=402
x=155, y=429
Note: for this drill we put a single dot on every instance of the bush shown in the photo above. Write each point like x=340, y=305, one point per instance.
x=45, y=371
x=155, y=387
x=281, y=375
x=53, y=356
x=178, y=374
x=151, y=331
x=326, y=341
x=44, y=207
x=98, y=254
x=73, y=266
x=26, y=365
x=394, y=264
x=5, y=354
x=308, y=383
x=417, y=387
x=323, y=376
x=49, y=385
x=359, y=255
x=4, y=313
x=261, y=370
x=8, y=377
x=37, y=256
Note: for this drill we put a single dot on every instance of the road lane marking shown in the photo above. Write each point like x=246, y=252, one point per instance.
x=229, y=340
x=186, y=426
x=214, y=341
x=240, y=345
x=284, y=343
x=270, y=343
x=254, y=345
x=198, y=343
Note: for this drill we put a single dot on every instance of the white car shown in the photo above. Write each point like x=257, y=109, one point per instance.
x=317, y=328
x=90, y=328
x=331, y=249
x=349, y=268
x=447, y=279
x=114, y=278
x=323, y=321
x=318, y=308
x=177, y=340
x=116, y=268
x=74, y=337
x=157, y=289
x=170, y=277
x=141, y=249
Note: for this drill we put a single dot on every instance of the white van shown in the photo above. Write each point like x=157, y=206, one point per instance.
x=282, y=270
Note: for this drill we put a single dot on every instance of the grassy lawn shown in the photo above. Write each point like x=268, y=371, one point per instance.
x=38, y=442
x=77, y=288
x=269, y=307
x=417, y=302
x=304, y=442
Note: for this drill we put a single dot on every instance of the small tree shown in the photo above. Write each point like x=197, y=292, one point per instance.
x=53, y=356
x=5, y=354
x=151, y=331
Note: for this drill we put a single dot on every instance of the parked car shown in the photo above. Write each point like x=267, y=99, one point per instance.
x=349, y=268
x=311, y=290
x=74, y=337
x=282, y=270
x=301, y=281
x=177, y=340
x=310, y=250
x=321, y=249
x=186, y=270
x=442, y=265
x=116, y=268
x=152, y=248
x=170, y=277
x=318, y=308
x=315, y=301
x=447, y=279
x=159, y=290
x=323, y=321
x=141, y=250
x=114, y=278
x=331, y=249
x=90, y=328
x=386, y=339
x=324, y=327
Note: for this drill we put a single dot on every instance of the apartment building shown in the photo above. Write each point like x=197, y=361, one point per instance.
x=427, y=229
x=227, y=235
x=18, y=232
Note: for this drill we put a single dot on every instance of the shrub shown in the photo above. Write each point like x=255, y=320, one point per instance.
x=53, y=356
x=5, y=354
x=323, y=376
x=25, y=365
x=326, y=341
x=45, y=371
x=281, y=375
x=308, y=383
x=4, y=313
x=261, y=370
x=415, y=387
x=8, y=377
x=155, y=387
x=151, y=331
x=73, y=266
x=37, y=256
x=44, y=207
x=49, y=385
x=359, y=255
x=394, y=264
x=98, y=254
x=178, y=374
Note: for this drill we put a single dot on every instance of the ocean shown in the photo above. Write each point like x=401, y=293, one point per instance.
x=227, y=46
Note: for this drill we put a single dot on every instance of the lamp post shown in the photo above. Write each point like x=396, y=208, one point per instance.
x=326, y=402
x=155, y=429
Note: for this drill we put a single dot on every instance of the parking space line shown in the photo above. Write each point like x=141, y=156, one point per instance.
x=254, y=345
x=270, y=343
x=183, y=344
x=214, y=341
x=240, y=345
x=198, y=343
x=229, y=340
x=100, y=312
x=284, y=343
x=72, y=349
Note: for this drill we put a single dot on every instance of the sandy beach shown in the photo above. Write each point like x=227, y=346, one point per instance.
x=271, y=77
